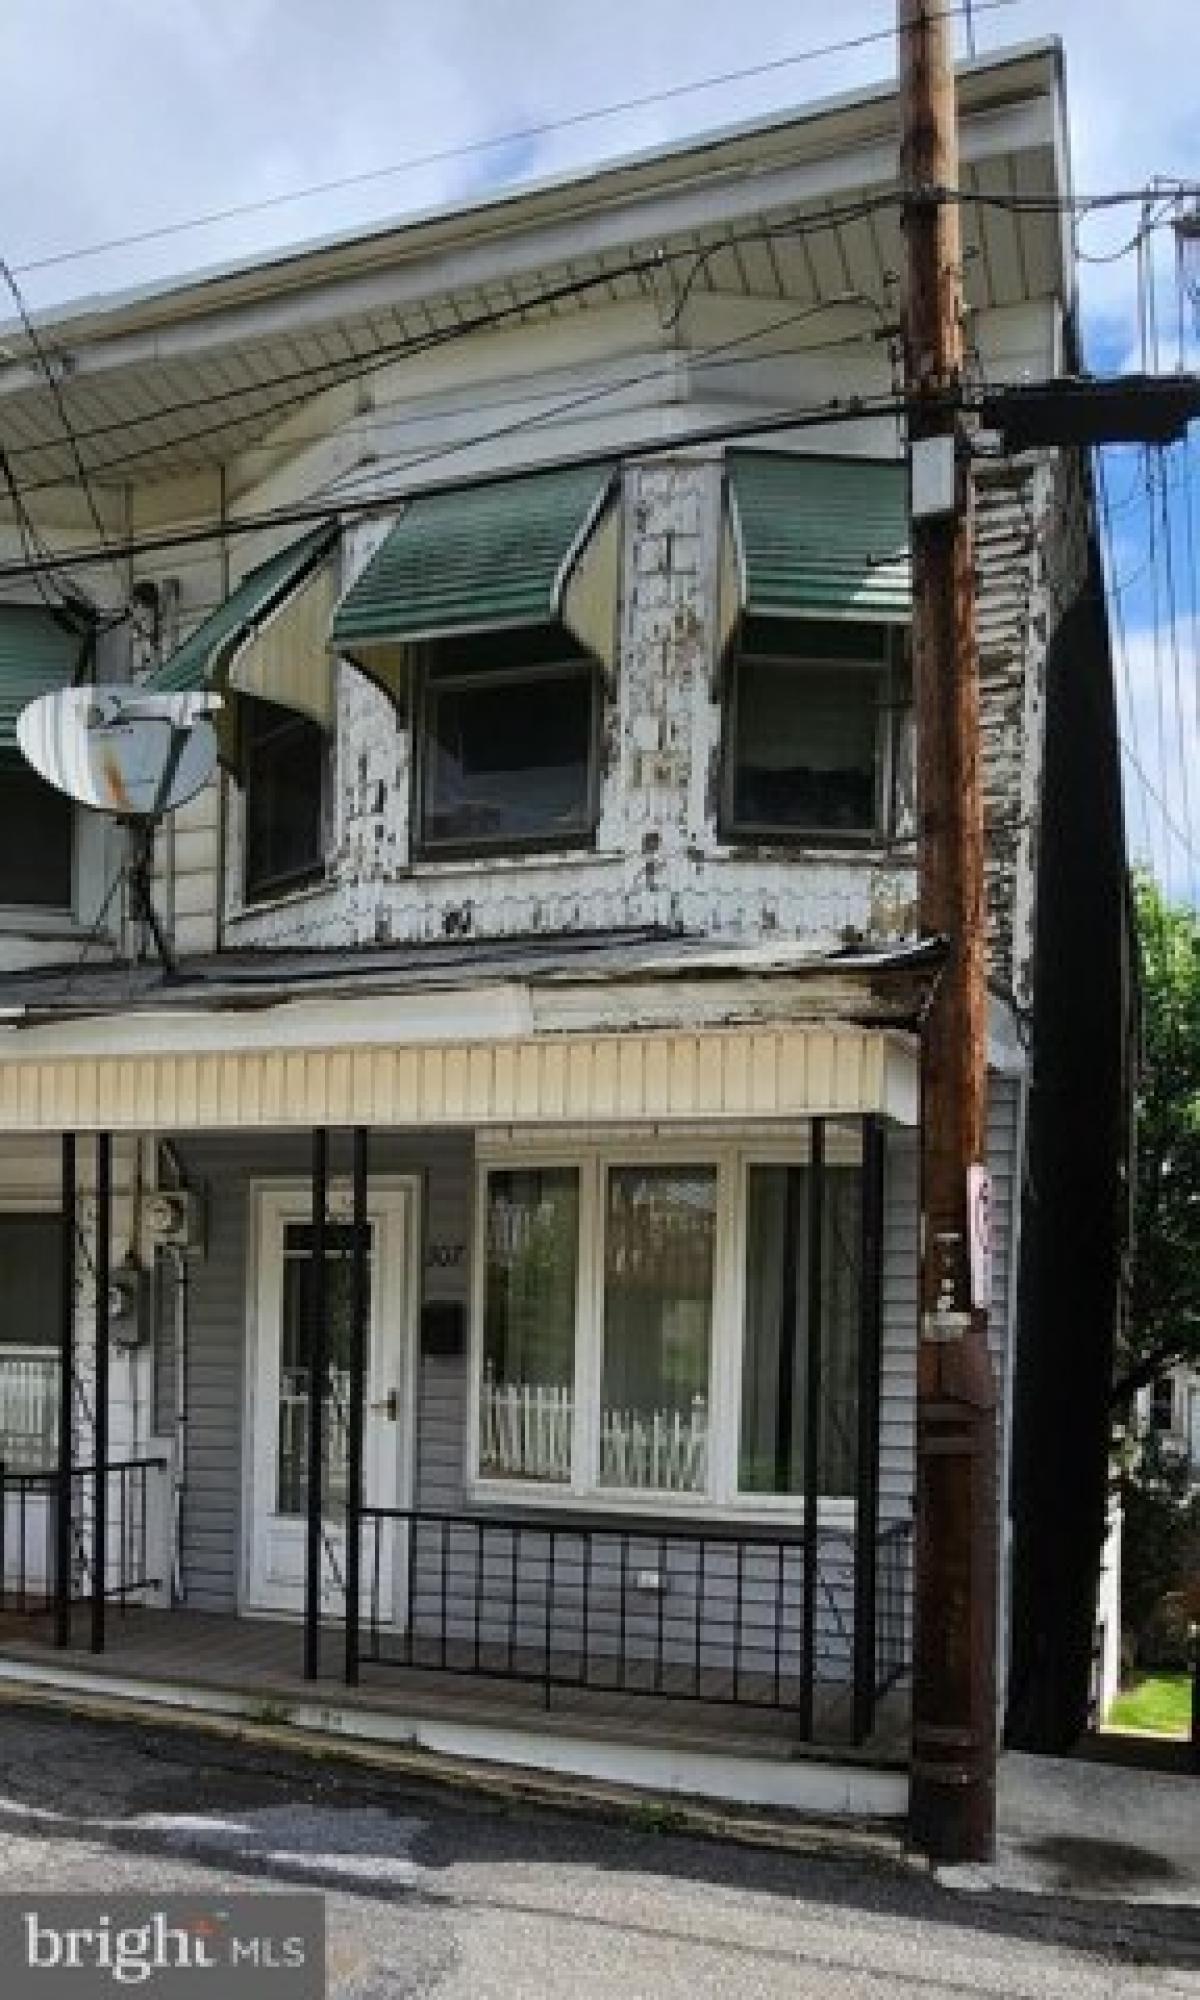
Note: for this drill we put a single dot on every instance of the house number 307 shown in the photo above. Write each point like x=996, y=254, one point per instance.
x=444, y=1256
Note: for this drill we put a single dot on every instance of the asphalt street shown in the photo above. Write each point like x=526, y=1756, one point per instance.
x=441, y=1892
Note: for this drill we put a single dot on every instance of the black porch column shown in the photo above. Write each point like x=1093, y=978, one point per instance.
x=317, y=1351
x=359, y=1307
x=866, y=1513
x=100, y=1410
x=66, y=1388
x=812, y=1416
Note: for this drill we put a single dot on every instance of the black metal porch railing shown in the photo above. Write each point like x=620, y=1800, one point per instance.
x=720, y=1614
x=30, y=1506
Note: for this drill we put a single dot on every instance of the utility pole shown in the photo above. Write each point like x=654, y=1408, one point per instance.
x=954, y=1711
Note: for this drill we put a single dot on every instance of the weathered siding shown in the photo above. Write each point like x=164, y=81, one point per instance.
x=658, y=857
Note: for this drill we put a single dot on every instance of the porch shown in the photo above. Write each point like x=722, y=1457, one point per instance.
x=703, y=1638
x=566, y=1423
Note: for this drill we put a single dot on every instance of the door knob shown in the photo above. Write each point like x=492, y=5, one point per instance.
x=389, y=1405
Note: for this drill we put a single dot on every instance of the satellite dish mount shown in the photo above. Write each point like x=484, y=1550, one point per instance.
x=131, y=754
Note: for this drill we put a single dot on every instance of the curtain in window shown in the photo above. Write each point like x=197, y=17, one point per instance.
x=776, y=1338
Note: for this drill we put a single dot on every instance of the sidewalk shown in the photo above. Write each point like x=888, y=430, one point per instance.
x=1071, y=1827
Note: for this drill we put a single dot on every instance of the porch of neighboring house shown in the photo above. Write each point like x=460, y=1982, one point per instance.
x=583, y=1489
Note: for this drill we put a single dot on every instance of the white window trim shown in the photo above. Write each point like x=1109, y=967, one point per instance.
x=722, y=1500
x=273, y=1203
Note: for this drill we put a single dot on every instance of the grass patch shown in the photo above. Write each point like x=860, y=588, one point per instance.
x=1161, y=1702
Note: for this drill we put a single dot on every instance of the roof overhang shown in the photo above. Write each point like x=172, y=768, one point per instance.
x=719, y=1075
x=175, y=379
x=653, y=1029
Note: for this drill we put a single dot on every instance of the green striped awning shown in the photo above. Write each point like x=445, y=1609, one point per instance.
x=266, y=639
x=511, y=552
x=40, y=651
x=816, y=538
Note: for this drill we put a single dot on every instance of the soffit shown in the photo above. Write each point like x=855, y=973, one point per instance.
x=186, y=381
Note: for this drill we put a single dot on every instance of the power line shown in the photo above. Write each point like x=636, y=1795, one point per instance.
x=44, y=364
x=312, y=379
x=357, y=367
x=584, y=398
x=474, y=148
x=719, y=355
x=801, y=417
x=1118, y=614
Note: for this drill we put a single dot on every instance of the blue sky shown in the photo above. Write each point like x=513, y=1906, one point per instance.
x=131, y=116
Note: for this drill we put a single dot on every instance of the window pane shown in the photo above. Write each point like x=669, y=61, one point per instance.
x=285, y=787
x=806, y=746
x=659, y=1237
x=37, y=838
x=509, y=761
x=531, y=1262
x=294, y=1350
x=775, y=1347
x=31, y=1288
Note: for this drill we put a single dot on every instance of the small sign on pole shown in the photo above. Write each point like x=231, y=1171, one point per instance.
x=979, y=1230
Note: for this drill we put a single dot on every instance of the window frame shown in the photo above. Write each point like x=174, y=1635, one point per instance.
x=887, y=662
x=432, y=681
x=731, y=1156
x=270, y=889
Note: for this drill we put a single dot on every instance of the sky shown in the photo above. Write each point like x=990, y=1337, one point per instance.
x=129, y=118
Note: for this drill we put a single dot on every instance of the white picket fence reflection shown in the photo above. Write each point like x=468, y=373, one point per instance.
x=525, y=1433
x=28, y=1408
x=292, y=1466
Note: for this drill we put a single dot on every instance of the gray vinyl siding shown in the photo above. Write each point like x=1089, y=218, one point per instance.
x=898, y=1383
x=898, y=1346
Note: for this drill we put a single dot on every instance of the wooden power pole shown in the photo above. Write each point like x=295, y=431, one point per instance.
x=954, y=1711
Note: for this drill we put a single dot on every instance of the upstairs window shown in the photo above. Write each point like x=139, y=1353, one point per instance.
x=507, y=733
x=285, y=772
x=811, y=738
x=37, y=841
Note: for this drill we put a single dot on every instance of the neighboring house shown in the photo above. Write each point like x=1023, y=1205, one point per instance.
x=563, y=854
x=1169, y=1411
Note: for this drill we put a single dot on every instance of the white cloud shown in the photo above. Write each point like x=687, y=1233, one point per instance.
x=123, y=116
x=127, y=115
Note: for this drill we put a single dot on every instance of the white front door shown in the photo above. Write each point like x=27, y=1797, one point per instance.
x=279, y=1399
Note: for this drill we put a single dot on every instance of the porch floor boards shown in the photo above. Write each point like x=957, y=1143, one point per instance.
x=260, y=1658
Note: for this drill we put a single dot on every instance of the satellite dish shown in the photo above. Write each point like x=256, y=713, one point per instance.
x=124, y=751
x=119, y=750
